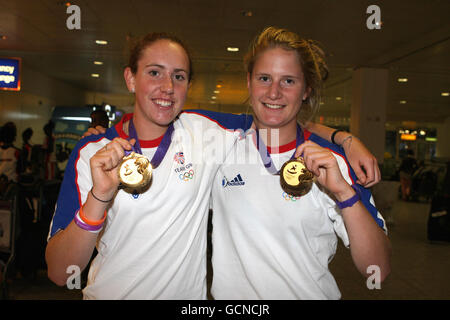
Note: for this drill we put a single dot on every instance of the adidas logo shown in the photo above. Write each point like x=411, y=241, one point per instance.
x=237, y=181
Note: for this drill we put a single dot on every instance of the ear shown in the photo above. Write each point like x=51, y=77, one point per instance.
x=306, y=93
x=129, y=79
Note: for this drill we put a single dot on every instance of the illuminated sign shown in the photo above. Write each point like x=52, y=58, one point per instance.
x=10, y=74
x=410, y=137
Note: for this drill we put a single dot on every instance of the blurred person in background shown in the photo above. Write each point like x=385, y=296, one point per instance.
x=25, y=153
x=407, y=168
x=99, y=118
x=50, y=167
x=9, y=154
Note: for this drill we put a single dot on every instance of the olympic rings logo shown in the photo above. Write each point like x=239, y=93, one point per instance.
x=289, y=197
x=188, y=175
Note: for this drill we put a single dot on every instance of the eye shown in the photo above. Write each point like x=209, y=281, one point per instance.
x=153, y=73
x=179, y=77
x=289, y=81
x=264, y=78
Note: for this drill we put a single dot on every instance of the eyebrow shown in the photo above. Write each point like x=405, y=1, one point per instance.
x=162, y=67
x=283, y=76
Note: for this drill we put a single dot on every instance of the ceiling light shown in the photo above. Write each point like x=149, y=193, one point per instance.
x=422, y=132
x=99, y=63
x=233, y=49
x=95, y=75
x=216, y=91
x=213, y=97
x=402, y=101
x=88, y=119
x=338, y=98
x=445, y=94
x=219, y=86
x=101, y=42
x=402, y=79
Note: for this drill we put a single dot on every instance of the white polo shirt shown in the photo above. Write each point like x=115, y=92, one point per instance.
x=153, y=245
x=268, y=244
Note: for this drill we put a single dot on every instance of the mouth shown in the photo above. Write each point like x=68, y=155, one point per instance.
x=164, y=102
x=273, y=106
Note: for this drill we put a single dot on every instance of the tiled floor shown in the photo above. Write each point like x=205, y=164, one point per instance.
x=420, y=269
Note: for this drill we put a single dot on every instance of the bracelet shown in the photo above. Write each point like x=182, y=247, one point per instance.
x=350, y=202
x=84, y=226
x=334, y=134
x=91, y=222
x=104, y=201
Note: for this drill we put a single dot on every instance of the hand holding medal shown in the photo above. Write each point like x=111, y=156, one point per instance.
x=295, y=178
x=323, y=165
x=105, y=166
x=136, y=170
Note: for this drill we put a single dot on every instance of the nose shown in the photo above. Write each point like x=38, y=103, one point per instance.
x=274, y=91
x=167, y=85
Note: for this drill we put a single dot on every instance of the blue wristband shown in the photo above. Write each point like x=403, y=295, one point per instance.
x=350, y=202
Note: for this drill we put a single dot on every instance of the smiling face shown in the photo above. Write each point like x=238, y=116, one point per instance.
x=160, y=84
x=277, y=88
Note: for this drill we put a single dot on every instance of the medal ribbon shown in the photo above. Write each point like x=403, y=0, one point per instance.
x=265, y=155
x=160, y=151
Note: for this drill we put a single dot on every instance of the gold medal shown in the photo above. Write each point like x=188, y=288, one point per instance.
x=135, y=172
x=295, y=178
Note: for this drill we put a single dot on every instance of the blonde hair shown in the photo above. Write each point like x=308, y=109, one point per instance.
x=311, y=58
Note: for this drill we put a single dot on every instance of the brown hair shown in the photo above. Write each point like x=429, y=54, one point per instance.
x=312, y=62
x=142, y=43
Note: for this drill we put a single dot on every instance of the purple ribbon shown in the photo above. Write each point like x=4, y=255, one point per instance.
x=160, y=151
x=265, y=155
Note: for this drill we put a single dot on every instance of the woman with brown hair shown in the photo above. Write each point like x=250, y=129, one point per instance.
x=151, y=241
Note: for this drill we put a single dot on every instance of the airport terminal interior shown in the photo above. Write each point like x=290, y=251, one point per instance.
x=388, y=84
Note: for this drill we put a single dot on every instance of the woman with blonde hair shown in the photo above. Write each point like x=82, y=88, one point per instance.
x=268, y=243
